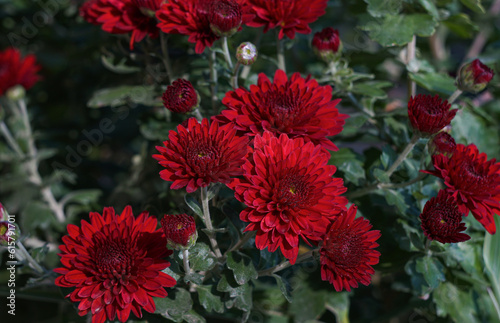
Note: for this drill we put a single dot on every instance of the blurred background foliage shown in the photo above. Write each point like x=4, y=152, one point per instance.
x=412, y=284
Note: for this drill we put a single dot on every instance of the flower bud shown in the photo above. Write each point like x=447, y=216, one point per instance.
x=327, y=45
x=180, y=231
x=442, y=143
x=474, y=77
x=246, y=54
x=428, y=115
x=16, y=93
x=3, y=213
x=181, y=97
x=225, y=17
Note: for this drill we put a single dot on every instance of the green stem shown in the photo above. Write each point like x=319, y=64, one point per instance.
x=197, y=114
x=185, y=261
x=208, y=222
x=286, y=264
x=242, y=241
x=403, y=155
x=166, y=57
x=378, y=185
x=359, y=105
x=280, y=52
x=234, y=78
x=494, y=300
x=454, y=96
x=10, y=140
x=213, y=80
x=32, y=262
x=410, y=56
x=227, y=55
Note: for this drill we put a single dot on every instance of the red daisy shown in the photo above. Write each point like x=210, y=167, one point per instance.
x=115, y=264
x=291, y=15
x=192, y=18
x=289, y=192
x=298, y=107
x=200, y=154
x=15, y=70
x=473, y=181
x=429, y=114
x=347, y=253
x=442, y=221
x=124, y=16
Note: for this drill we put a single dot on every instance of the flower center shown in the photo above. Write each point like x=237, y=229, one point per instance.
x=114, y=258
x=344, y=248
x=292, y=192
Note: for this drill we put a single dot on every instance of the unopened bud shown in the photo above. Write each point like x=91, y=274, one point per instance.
x=474, y=77
x=246, y=53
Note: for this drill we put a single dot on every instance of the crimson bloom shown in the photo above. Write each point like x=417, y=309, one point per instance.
x=474, y=77
x=298, y=107
x=180, y=231
x=442, y=221
x=289, y=192
x=124, y=16
x=180, y=97
x=429, y=114
x=15, y=70
x=473, y=181
x=347, y=253
x=200, y=154
x=115, y=264
x=326, y=44
x=291, y=15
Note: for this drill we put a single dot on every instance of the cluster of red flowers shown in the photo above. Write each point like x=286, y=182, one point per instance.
x=204, y=21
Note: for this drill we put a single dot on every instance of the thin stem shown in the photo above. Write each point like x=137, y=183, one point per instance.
x=410, y=56
x=359, y=105
x=32, y=167
x=185, y=261
x=286, y=264
x=227, y=55
x=197, y=114
x=10, y=140
x=378, y=185
x=213, y=80
x=494, y=300
x=242, y=241
x=280, y=52
x=234, y=78
x=403, y=155
x=454, y=96
x=166, y=57
x=484, y=33
x=208, y=222
x=32, y=262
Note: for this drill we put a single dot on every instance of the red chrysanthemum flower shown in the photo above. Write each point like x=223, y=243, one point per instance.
x=15, y=70
x=192, y=18
x=180, y=97
x=115, y=264
x=123, y=17
x=201, y=154
x=429, y=114
x=291, y=15
x=298, y=107
x=442, y=143
x=347, y=253
x=442, y=221
x=473, y=181
x=474, y=77
x=225, y=17
x=326, y=44
x=180, y=231
x=289, y=192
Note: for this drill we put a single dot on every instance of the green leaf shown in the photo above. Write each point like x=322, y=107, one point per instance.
x=174, y=309
x=284, y=287
x=242, y=267
x=194, y=277
x=38, y=215
x=398, y=30
x=200, y=257
x=308, y=303
x=339, y=303
x=416, y=241
x=380, y=8
x=156, y=129
x=83, y=197
x=193, y=317
x=371, y=89
x=193, y=205
x=208, y=300
x=491, y=252
x=418, y=282
x=454, y=302
x=430, y=6
x=241, y=295
x=396, y=199
x=474, y=5
x=432, y=270
x=381, y=175
x=120, y=67
x=435, y=82
x=461, y=25
x=121, y=95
